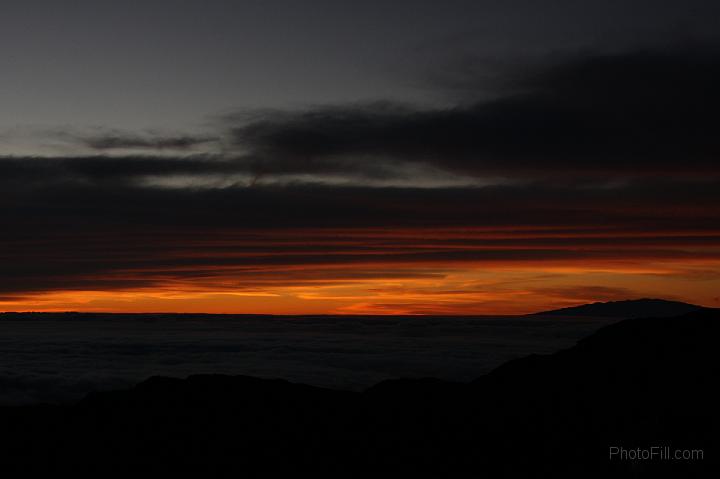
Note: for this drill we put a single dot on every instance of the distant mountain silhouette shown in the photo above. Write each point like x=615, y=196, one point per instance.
x=635, y=308
x=638, y=383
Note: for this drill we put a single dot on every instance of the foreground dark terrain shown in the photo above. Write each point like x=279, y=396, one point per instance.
x=59, y=358
x=636, y=383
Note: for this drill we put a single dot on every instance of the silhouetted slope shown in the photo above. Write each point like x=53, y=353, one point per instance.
x=637, y=383
x=636, y=308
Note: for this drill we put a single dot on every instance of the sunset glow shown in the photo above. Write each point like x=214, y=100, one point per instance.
x=559, y=180
x=450, y=271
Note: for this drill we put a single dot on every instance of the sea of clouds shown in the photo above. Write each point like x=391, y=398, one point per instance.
x=60, y=360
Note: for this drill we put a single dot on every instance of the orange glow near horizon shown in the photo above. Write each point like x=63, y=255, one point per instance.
x=436, y=288
x=452, y=271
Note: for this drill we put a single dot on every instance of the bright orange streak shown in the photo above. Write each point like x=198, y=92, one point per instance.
x=395, y=272
x=508, y=289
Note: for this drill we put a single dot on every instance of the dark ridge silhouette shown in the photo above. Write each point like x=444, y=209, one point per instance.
x=638, y=383
x=634, y=308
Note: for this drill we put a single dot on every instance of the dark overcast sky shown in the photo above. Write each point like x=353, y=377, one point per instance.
x=171, y=63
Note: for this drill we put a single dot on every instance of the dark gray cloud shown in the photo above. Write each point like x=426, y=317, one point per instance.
x=168, y=62
x=120, y=141
x=637, y=114
x=29, y=172
x=591, y=117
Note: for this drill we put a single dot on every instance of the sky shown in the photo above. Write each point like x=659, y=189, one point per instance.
x=318, y=157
